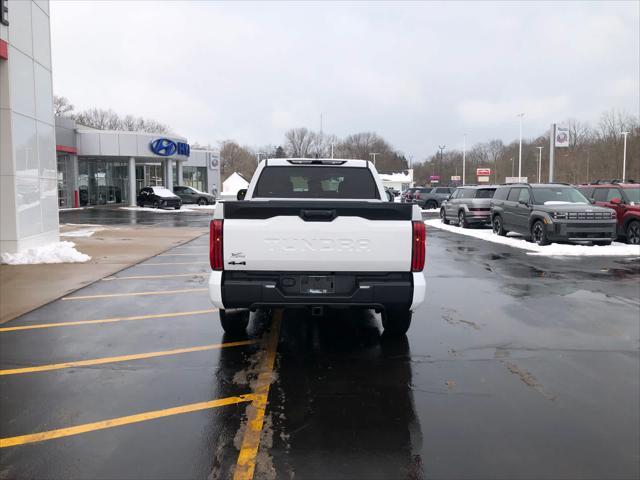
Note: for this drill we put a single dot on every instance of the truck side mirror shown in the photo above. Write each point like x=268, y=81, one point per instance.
x=241, y=194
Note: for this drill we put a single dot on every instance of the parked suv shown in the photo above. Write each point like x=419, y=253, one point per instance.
x=431, y=197
x=468, y=205
x=551, y=213
x=624, y=198
x=193, y=195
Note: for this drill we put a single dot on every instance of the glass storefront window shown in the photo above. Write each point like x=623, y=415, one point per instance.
x=65, y=195
x=195, y=177
x=102, y=182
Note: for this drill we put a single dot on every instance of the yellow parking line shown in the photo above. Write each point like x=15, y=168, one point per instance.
x=173, y=263
x=122, y=358
x=117, y=422
x=144, y=277
x=246, y=463
x=135, y=294
x=107, y=320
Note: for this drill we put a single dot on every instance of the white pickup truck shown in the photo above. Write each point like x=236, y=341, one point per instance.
x=315, y=233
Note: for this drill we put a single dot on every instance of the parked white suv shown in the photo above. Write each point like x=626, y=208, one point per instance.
x=317, y=233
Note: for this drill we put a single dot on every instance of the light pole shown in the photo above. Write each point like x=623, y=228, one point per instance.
x=374, y=156
x=624, y=156
x=539, y=162
x=441, y=147
x=464, y=157
x=520, y=149
x=512, y=173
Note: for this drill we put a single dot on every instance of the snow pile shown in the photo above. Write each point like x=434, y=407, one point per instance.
x=554, y=250
x=184, y=208
x=60, y=252
x=155, y=210
x=430, y=210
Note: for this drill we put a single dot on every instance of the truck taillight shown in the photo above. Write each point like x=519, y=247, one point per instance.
x=418, y=246
x=215, y=245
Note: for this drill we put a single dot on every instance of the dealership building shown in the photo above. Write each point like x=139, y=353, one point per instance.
x=101, y=167
x=48, y=163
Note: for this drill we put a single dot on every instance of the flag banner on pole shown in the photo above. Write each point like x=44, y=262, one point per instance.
x=562, y=136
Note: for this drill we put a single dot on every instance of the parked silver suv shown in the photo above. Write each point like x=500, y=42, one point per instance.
x=468, y=205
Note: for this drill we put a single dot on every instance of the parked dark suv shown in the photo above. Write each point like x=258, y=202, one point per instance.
x=431, y=197
x=551, y=213
x=624, y=198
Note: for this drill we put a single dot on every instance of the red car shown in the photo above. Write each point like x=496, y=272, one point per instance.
x=624, y=198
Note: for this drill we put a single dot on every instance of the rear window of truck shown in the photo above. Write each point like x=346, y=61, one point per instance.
x=316, y=182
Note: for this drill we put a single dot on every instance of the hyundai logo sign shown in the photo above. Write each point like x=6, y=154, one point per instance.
x=165, y=147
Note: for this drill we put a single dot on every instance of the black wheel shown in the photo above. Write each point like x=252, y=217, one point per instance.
x=156, y=204
x=498, y=226
x=443, y=216
x=234, y=321
x=539, y=234
x=178, y=207
x=633, y=232
x=202, y=201
x=396, y=321
x=140, y=204
x=603, y=243
x=462, y=219
x=430, y=205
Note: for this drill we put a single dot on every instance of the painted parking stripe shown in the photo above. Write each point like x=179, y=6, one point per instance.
x=135, y=294
x=146, y=277
x=108, y=320
x=122, y=358
x=117, y=422
x=246, y=463
x=173, y=263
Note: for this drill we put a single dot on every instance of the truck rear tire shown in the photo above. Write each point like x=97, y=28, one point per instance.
x=396, y=321
x=234, y=321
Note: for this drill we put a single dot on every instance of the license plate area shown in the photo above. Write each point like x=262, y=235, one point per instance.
x=317, y=284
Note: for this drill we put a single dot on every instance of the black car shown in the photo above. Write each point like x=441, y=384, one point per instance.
x=158, y=197
x=549, y=213
x=192, y=195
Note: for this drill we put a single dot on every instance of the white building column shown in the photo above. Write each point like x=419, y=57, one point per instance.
x=179, y=178
x=133, y=201
x=168, y=174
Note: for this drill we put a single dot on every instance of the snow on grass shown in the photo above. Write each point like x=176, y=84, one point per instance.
x=555, y=249
x=59, y=252
x=199, y=207
x=430, y=210
x=82, y=232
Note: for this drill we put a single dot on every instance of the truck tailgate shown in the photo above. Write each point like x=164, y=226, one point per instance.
x=317, y=236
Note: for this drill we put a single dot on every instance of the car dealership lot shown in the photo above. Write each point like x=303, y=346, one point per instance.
x=517, y=366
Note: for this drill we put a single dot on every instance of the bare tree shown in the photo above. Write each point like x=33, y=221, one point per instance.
x=235, y=158
x=299, y=142
x=61, y=106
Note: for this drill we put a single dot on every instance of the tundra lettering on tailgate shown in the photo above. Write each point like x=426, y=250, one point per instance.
x=318, y=244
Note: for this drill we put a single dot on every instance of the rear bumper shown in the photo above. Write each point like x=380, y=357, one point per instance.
x=235, y=289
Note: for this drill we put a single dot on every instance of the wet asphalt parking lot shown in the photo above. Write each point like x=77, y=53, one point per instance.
x=515, y=367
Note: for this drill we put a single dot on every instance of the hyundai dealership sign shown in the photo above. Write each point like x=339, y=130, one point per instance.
x=166, y=147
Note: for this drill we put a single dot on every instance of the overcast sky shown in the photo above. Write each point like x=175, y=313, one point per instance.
x=419, y=74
